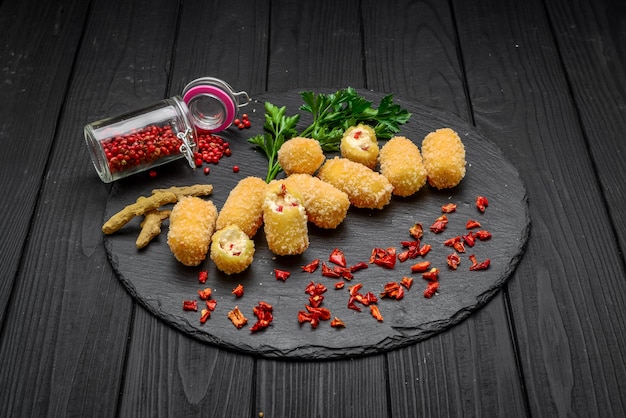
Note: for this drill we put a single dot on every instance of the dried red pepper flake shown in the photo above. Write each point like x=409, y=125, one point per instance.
x=329, y=272
x=211, y=304
x=431, y=275
x=483, y=235
x=311, y=267
x=384, y=257
x=358, y=266
x=203, y=276
x=425, y=249
x=478, y=266
x=316, y=300
x=412, y=250
x=453, y=260
x=337, y=323
x=309, y=317
x=354, y=289
x=403, y=256
x=313, y=289
x=204, y=315
x=392, y=290
x=205, y=294
x=337, y=257
x=264, y=313
x=237, y=318
x=376, y=313
x=459, y=246
x=340, y=285
x=352, y=305
x=281, y=274
x=407, y=282
x=417, y=231
x=343, y=272
x=469, y=239
x=481, y=203
x=451, y=241
x=420, y=267
x=471, y=224
x=323, y=313
x=448, y=208
x=439, y=225
x=431, y=289
x=238, y=291
x=190, y=305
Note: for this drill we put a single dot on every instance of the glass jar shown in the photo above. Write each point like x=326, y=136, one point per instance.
x=163, y=132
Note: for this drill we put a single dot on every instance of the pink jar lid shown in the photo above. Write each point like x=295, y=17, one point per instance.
x=212, y=103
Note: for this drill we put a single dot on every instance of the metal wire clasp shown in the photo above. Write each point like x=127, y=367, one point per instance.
x=187, y=148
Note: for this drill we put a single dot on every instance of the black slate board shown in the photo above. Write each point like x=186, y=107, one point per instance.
x=160, y=283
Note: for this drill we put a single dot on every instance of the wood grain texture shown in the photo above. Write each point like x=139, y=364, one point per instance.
x=519, y=94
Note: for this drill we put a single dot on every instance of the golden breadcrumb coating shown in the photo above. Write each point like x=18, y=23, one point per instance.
x=365, y=188
x=244, y=206
x=444, y=158
x=326, y=206
x=359, y=144
x=284, y=220
x=232, y=250
x=300, y=155
x=192, y=222
x=401, y=162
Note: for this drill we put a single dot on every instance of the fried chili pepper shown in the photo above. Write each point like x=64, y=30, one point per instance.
x=376, y=313
x=311, y=267
x=481, y=203
x=264, y=313
x=203, y=276
x=471, y=224
x=358, y=266
x=407, y=282
x=431, y=275
x=453, y=260
x=337, y=257
x=204, y=315
x=281, y=274
x=431, y=289
x=420, y=267
x=384, y=258
x=190, y=305
x=417, y=231
x=483, y=235
x=448, y=208
x=337, y=323
x=392, y=290
x=439, y=225
x=238, y=291
x=205, y=294
x=237, y=318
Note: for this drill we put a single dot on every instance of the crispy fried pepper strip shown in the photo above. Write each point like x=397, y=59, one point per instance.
x=193, y=190
x=151, y=226
x=139, y=208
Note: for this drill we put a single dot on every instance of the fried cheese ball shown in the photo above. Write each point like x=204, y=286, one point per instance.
x=300, y=155
x=244, y=206
x=284, y=220
x=444, y=158
x=232, y=250
x=359, y=144
x=326, y=206
x=365, y=188
x=401, y=162
x=192, y=223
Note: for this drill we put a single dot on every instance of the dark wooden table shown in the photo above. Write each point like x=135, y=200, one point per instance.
x=545, y=81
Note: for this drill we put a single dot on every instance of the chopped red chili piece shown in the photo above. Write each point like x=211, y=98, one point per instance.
x=448, y=208
x=420, y=267
x=384, y=258
x=352, y=305
x=316, y=300
x=469, y=239
x=481, y=203
x=354, y=289
x=431, y=275
x=312, y=266
x=412, y=250
x=376, y=313
x=417, y=231
x=392, y=290
x=479, y=266
x=337, y=323
x=238, y=291
x=407, y=282
x=431, y=289
x=358, y=266
x=309, y=317
x=451, y=241
x=263, y=312
x=340, y=285
x=203, y=276
x=313, y=289
x=459, y=247
x=403, y=256
x=281, y=274
x=205, y=294
x=453, y=260
x=323, y=313
x=471, y=224
x=483, y=235
x=237, y=318
x=211, y=304
x=439, y=225
x=337, y=257
x=343, y=272
x=425, y=249
x=329, y=272
x=204, y=315
x=190, y=305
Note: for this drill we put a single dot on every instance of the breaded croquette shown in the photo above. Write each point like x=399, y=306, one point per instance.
x=244, y=206
x=285, y=220
x=444, y=158
x=232, y=250
x=192, y=222
x=326, y=206
x=401, y=162
x=359, y=144
x=365, y=188
x=300, y=155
